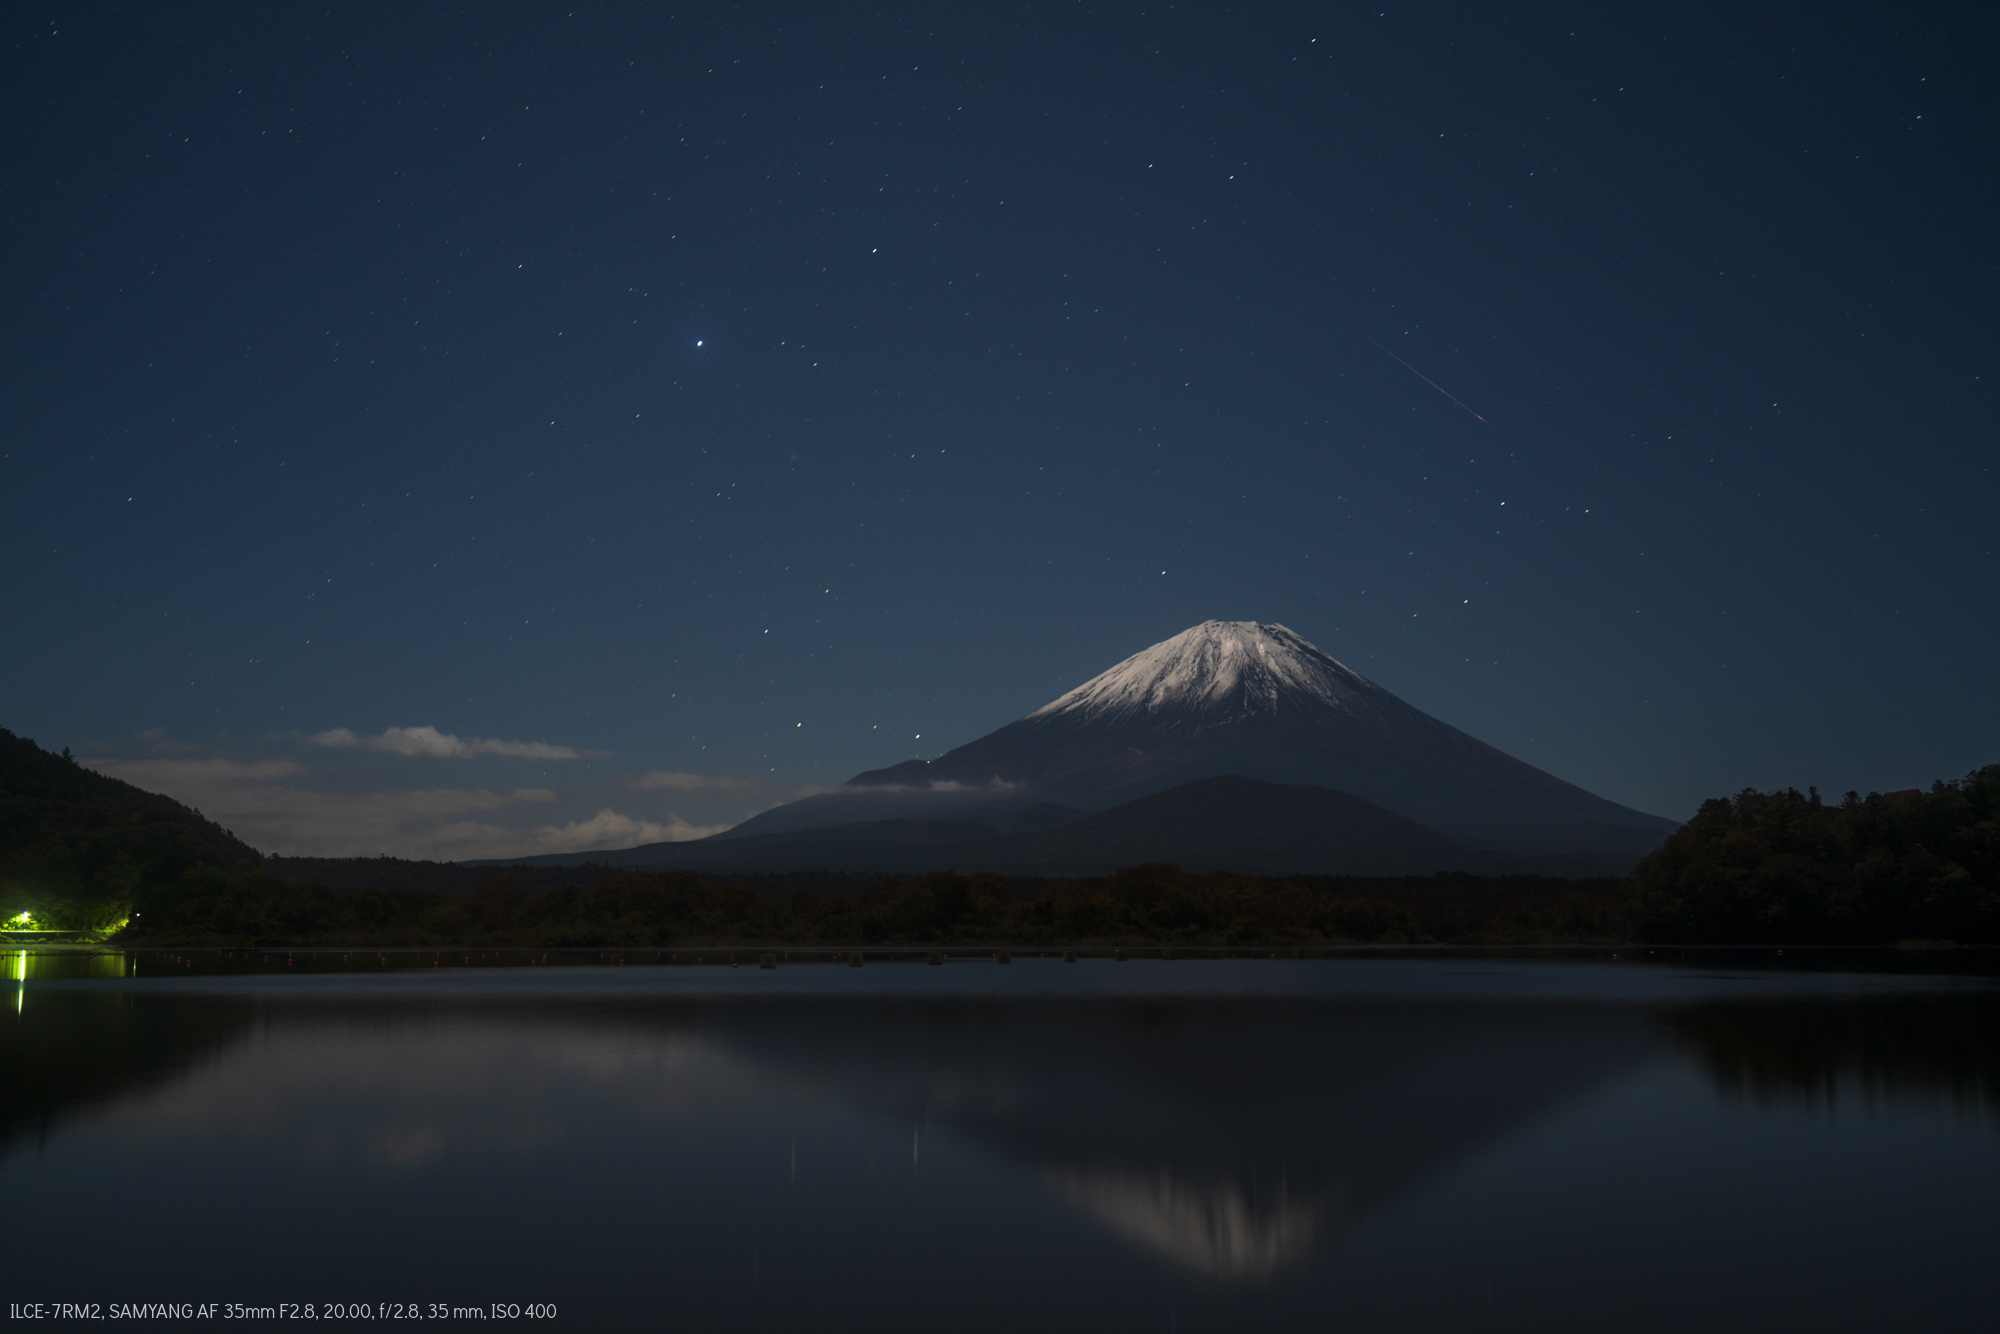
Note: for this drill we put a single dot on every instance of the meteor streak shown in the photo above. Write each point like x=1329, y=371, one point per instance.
x=1425, y=378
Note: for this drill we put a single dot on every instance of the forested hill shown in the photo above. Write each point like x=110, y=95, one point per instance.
x=1784, y=866
x=77, y=847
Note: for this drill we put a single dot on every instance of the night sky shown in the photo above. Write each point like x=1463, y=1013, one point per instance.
x=672, y=408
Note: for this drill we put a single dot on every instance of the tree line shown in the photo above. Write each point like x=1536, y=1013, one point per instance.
x=83, y=853
x=1778, y=867
x=1142, y=905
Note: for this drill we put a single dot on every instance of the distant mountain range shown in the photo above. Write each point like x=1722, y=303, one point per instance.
x=1233, y=745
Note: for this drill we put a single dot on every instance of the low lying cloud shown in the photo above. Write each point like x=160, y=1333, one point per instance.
x=659, y=779
x=430, y=743
x=718, y=785
x=158, y=741
x=997, y=786
x=609, y=829
x=149, y=774
x=253, y=801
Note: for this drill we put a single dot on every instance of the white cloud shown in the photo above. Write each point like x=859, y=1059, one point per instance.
x=605, y=831
x=251, y=800
x=278, y=806
x=609, y=829
x=433, y=744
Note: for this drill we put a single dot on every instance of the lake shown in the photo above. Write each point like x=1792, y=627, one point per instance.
x=1653, y=1142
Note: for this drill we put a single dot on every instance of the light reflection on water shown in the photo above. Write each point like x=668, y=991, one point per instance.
x=21, y=964
x=1068, y=1153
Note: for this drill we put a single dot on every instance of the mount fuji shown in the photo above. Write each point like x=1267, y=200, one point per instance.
x=1237, y=698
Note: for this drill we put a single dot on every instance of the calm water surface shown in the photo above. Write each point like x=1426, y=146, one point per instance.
x=1354, y=1144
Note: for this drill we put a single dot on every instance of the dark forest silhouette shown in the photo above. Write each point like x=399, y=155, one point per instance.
x=82, y=853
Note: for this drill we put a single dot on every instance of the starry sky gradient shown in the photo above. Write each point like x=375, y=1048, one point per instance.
x=753, y=395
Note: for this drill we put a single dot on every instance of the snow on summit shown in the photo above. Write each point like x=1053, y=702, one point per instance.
x=1225, y=668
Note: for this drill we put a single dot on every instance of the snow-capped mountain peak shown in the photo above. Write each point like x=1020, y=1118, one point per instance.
x=1256, y=701
x=1216, y=671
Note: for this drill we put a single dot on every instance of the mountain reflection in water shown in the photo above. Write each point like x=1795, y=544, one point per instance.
x=1227, y=1153
x=1211, y=1227
x=1229, y=1137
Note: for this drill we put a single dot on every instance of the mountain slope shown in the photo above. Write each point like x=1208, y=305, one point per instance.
x=1239, y=697
x=1238, y=824
x=1226, y=823
x=71, y=839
